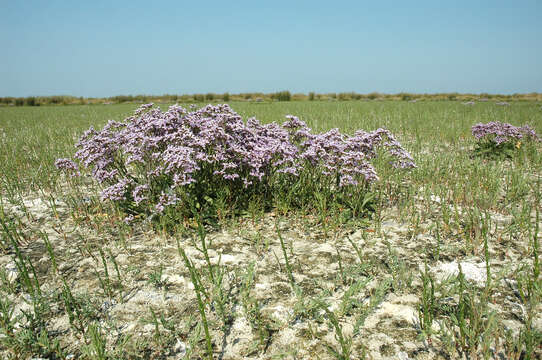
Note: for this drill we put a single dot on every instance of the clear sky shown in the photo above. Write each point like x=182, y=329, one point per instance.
x=105, y=48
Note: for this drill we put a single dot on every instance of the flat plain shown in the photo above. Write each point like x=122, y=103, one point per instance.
x=445, y=266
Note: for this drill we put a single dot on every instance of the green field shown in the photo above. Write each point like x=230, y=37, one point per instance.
x=75, y=280
x=33, y=137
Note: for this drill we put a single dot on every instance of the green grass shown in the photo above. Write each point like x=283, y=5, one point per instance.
x=454, y=206
x=33, y=137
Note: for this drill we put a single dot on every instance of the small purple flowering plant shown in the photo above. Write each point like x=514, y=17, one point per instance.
x=163, y=162
x=497, y=139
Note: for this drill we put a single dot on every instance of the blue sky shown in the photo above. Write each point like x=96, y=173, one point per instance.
x=106, y=48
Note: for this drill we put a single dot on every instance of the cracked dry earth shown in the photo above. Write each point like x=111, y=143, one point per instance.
x=374, y=294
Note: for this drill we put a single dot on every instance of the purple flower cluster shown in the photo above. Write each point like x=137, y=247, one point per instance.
x=153, y=156
x=68, y=166
x=499, y=133
x=347, y=156
x=118, y=191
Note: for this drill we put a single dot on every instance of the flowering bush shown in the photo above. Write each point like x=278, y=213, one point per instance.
x=497, y=139
x=167, y=162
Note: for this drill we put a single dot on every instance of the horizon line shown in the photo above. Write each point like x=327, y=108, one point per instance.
x=281, y=91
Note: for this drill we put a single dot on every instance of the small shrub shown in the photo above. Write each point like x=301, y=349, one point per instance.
x=165, y=164
x=373, y=96
x=497, y=140
x=31, y=101
x=283, y=96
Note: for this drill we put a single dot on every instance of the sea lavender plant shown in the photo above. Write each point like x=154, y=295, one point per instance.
x=158, y=162
x=497, y=139
x=68, y=166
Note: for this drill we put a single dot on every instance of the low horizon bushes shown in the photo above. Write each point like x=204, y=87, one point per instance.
x=283, y=95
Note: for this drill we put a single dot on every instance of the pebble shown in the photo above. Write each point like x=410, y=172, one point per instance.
x=475, y=272
x=180, y=348
x=12, y=272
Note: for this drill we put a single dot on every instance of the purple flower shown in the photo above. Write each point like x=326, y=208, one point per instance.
x=500, y=133
x=68, y=166
x=164, y=201
x=129, y=219
x=139, y=193
x=154, y=155
x=118, y=191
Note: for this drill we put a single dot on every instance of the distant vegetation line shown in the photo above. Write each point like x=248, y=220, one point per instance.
x=261, y=97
